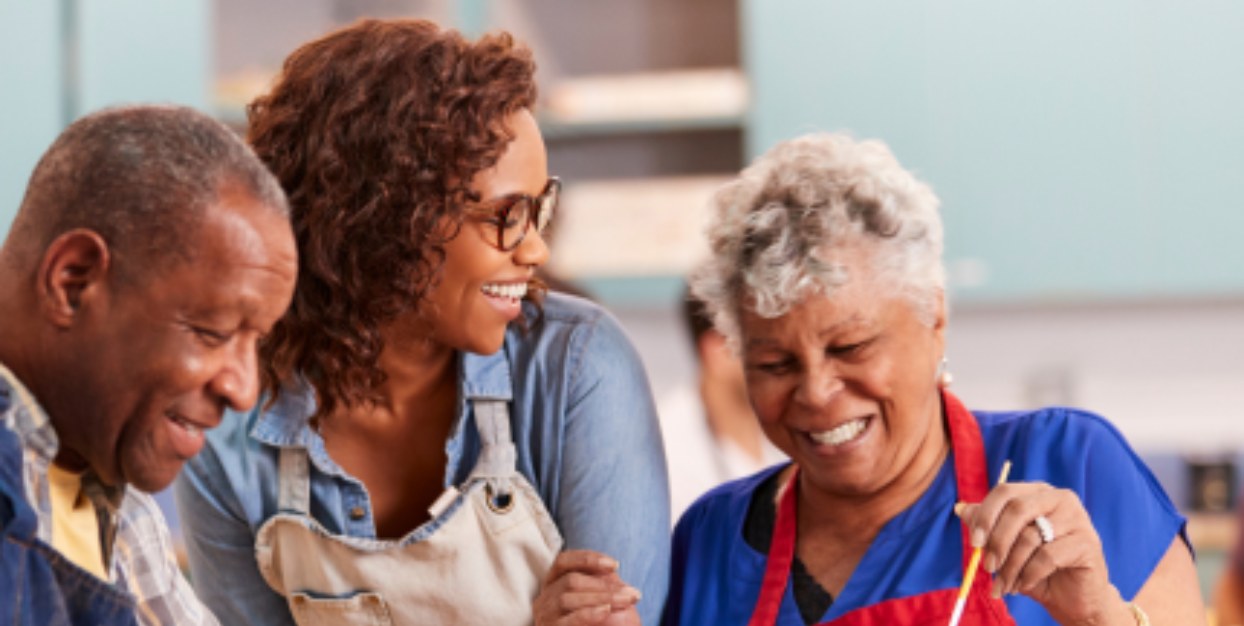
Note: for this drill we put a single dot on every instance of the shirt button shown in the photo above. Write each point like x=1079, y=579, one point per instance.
x=357, y=513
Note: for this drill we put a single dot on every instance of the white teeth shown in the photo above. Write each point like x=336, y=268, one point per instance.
x=514, y=291
x=190, y=428
x=841, y=434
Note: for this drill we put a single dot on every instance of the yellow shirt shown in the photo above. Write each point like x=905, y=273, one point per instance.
x=75, y=529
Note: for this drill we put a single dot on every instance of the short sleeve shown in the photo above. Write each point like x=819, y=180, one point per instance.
x=1132, y=514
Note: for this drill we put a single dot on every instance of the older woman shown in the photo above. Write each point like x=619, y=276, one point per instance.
x=827, y=276
x=435, y=433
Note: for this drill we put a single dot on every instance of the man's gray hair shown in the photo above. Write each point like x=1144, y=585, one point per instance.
x=783, y=230
x=142, y=177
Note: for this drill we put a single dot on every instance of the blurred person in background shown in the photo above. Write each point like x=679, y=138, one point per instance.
x=827, y=275
x=718, y=436
x=1229, y=590
x=151, y=252
x=434, y=431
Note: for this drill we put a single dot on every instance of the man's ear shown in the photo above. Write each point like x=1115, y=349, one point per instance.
x=73, y=267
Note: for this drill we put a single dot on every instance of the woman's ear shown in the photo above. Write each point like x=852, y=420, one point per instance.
x=939, y=321
x=73, y=267
x=939, y=302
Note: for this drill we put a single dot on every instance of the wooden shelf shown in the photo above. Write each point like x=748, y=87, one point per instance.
x=1212, y=531
x=554, y=129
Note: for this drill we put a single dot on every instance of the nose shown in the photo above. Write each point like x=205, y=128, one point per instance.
x=818, y=386
x=532, y=251
x=237, y=381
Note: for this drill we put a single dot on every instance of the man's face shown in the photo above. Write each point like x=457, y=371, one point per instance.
x=158, y=362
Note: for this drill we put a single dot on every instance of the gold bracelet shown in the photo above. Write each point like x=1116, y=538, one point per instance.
x=1141, y=618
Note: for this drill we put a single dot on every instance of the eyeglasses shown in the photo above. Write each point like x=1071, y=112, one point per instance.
x=513, y=215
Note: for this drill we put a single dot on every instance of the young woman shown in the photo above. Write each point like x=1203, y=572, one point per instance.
x=436, y=432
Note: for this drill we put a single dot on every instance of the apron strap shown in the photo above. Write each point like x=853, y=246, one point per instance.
x=971, y=473
x=781, y=557
x=294, y=495
x=497, y=455
x=971, y=482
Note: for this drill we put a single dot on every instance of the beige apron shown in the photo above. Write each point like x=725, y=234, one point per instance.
x=479, y=560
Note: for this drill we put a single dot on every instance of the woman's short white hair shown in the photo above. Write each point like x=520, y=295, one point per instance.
x=781, y=231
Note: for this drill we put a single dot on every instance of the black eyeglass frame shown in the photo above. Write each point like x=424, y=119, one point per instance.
x=502, y=208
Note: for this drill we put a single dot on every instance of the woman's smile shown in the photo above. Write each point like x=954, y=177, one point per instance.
x=506, y=297
x=842, y=438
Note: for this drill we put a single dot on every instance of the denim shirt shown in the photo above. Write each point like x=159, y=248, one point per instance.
x=583, y=423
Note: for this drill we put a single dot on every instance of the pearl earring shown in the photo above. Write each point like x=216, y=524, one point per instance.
x=944, y=377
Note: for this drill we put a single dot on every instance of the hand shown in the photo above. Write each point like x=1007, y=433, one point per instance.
x=583, y=588
x=1068, y=575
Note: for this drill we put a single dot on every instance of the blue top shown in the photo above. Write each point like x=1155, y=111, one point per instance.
x=583, y=423
x=716, y=575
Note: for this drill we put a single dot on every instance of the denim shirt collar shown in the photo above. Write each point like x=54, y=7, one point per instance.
x=287, y=422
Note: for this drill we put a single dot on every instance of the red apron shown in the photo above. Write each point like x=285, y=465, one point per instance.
x=932, y=608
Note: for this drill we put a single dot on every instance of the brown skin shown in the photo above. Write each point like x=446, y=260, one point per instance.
x=113, y=361
x=1068, y=576
x=829, y=361
x=397, y=448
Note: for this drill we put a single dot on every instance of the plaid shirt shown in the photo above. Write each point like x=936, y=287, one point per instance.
x=136, y=544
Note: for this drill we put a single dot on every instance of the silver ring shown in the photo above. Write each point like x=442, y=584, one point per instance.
x=1045, y=528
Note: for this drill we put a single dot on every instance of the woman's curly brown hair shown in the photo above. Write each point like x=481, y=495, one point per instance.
x=375, y=132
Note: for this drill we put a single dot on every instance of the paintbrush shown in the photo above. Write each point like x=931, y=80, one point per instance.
x=975, y=561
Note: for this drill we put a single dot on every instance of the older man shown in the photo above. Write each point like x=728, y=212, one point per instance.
x=151, y=253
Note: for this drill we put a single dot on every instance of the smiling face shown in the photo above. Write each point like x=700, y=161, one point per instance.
x=481, y=287
x=845, y=386
x=156, y=363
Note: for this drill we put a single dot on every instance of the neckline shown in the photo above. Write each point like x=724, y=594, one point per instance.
x=967, y=458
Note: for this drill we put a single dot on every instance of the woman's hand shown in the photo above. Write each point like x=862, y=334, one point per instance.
x=583, y=588
x=1067, y=575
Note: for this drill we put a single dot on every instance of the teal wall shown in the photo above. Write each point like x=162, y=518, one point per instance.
x=31, y=111
x=144, y=51
x=1082, y=150
x=60, y=59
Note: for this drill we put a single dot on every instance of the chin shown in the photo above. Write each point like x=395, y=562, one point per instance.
x=852, y=482
x=152, y=479
x=487, y=346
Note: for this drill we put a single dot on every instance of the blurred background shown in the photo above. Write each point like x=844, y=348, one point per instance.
x=1089, y=157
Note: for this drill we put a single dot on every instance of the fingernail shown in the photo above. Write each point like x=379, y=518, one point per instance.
x=990, y=566
x=608, y=563
x=626, y=597
x=602, y=610
x=996, y=591
x=978, y=538
x=959, y=507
